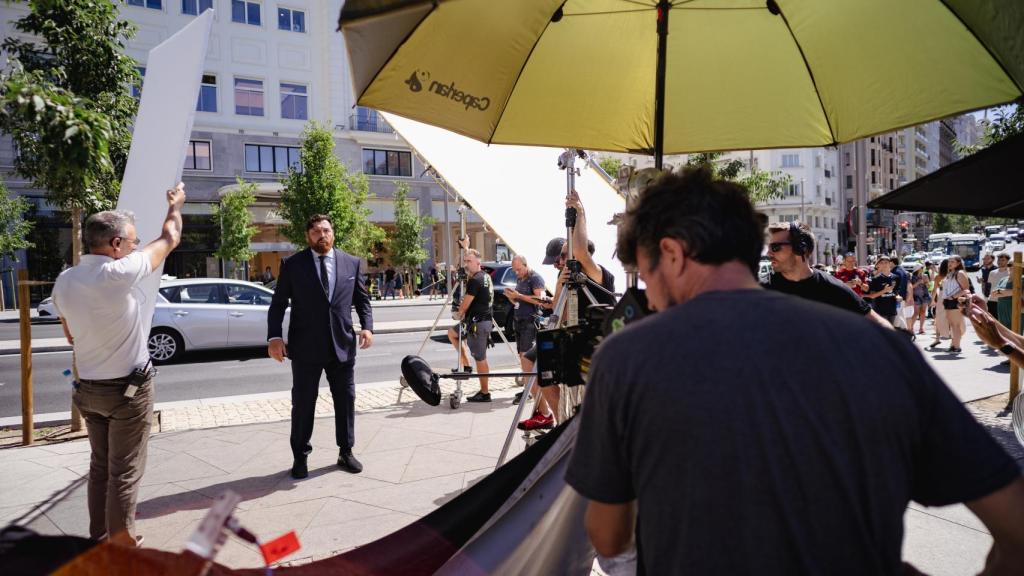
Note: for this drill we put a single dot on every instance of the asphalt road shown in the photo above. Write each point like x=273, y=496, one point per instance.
x=230, y=373
x=44, y=328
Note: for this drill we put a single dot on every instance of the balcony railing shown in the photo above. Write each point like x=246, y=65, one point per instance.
x=369, y=123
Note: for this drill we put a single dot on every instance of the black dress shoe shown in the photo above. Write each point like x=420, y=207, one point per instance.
x=299, y=469
x=348, y=463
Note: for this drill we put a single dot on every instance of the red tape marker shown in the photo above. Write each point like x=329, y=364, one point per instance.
x=280, y=547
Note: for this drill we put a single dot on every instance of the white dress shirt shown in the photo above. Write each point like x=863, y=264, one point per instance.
x=331, y=273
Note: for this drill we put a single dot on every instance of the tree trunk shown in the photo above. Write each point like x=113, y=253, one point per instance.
x=77, y=422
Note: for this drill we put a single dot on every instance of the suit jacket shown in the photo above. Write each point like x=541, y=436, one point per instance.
x=315, y=319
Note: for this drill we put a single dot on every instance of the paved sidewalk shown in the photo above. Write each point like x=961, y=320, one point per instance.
x=416, y=457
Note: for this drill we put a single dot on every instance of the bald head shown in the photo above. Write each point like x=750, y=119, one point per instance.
x=522, y=270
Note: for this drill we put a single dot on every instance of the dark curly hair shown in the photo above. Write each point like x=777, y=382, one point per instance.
x=315, y=219
x=714, y=220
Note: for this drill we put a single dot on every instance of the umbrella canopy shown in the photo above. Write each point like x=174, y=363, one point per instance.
x=660, y=76
x=986, y=183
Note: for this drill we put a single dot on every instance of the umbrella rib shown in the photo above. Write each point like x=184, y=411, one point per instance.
x=810, y=73
x=397, y=48
x=515, y=84
x=983, y=45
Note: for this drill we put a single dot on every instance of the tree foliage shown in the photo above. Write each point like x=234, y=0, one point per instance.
x=14, y=229
x=1008, y=122
x=235, y=221
x=955, y=223
x=762, y=185
x=66, y=100
x=406, y=245
x=325, y=186
x=610, y=166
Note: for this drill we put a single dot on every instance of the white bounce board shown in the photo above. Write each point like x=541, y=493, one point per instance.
x=519, y=191
x=161, y=135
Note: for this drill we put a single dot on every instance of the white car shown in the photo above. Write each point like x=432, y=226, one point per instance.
x=209, y=313
x=46, y=309
x=996, y=245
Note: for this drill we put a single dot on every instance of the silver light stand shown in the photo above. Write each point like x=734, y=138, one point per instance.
x=566, y=309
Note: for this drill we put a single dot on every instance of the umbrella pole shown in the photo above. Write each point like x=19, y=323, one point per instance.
x=659, y=86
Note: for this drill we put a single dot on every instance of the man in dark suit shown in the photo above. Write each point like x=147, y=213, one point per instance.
x=323, y=285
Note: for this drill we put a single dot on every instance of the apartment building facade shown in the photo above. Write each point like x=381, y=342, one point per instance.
x=271, y=67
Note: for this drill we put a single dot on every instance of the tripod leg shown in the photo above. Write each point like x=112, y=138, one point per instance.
x=515, y=421
x=501, y=333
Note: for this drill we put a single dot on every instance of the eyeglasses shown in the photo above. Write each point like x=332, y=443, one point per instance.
x=134, y=242
x=777, y=246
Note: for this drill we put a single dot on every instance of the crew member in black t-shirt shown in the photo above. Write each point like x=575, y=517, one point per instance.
x=789, y=249
x=882, y=289
x=734, y=432
x=474, y=314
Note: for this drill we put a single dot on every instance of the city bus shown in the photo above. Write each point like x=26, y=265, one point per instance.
x=939, y=242
x=968, y=248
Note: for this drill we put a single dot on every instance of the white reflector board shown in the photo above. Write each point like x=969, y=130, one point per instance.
x=519, y=192
x=162, y=130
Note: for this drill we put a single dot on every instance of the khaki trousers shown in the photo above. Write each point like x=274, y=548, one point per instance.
x=118, y=433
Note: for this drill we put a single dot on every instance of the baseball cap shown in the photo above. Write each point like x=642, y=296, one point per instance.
x=554, y=250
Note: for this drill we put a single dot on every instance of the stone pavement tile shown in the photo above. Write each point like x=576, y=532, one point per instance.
x=71, y=514
x=177, y=441
x=38, y=488
x=338, y=510
x=330, y=539
x=440, y=419
x=74, y=461
x=431, y=463
x=474, y=476
x=484, y=445
x=18, y=453
x=957, y=514
x=392, y=438
x=248, y=486
x=68, y=447
x=417, y=498
x=170, y=503
x=45, y=527
x=324, y=481
x=938, y=547
x=387, y=465
x=177, y=468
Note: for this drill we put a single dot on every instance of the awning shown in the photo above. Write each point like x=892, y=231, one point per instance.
x=987, y=183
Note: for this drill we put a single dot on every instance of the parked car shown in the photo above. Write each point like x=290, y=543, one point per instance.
x=209, y=313
x=911, y=262
x=46, y=309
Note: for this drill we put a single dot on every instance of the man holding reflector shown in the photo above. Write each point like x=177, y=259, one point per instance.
x=735, y=429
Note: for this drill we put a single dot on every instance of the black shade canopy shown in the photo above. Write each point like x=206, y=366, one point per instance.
x=987, y=183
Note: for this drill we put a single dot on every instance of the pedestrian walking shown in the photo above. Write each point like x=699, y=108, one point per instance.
x=322, y=285
x=882, y=290
x=953, y=286
x=100, y=304
x=848, y=273
x=996, y=276
x=922, y=297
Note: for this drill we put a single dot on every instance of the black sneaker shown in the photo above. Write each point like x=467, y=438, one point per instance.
x=517, y=399
x=348, y=463
x=479, y=397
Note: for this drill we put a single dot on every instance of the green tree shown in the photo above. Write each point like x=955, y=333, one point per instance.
x=761, y=184
x=407, y=243
x=65, y=102
x=325, y=186
x=235, y=221
x=14, y=229
x=610, y=166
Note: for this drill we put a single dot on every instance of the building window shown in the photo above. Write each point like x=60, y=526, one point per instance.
x=197, y=156
x=794, y=190
x=890, y=164
x=790, y=160
x=207, y=94
x=293, y=20
x=891, y=187
x=817, y=190
x=137, y=90
x=248, y=97
x=872, y=156
x=245, y=12
x=195, y=7
x=387, y=162
x=294, y=102
x=874, y=177
x=154, y=4
x=260, y=158
x=817, y=221
x=849, y=181
x=817, y=161
x=846, y=158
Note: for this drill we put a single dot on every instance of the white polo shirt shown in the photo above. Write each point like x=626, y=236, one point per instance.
x=100, y=300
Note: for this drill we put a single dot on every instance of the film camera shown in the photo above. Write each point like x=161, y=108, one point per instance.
x=563, y=354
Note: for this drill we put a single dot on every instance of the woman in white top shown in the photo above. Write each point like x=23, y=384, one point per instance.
x=954, y=285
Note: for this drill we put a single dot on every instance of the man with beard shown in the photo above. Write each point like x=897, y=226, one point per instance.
x=322, y=284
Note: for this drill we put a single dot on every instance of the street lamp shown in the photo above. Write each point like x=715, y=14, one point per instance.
x=803, y=216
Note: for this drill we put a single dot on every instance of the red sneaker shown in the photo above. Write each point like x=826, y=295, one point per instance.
x=537, y=422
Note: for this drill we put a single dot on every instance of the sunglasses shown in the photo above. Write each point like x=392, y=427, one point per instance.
x=135, y=242
x=777, y=246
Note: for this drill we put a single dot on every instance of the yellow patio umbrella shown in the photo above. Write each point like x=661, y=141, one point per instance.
x=667, y=77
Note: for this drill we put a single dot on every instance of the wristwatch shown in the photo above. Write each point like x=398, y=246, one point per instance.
x=1006, y=349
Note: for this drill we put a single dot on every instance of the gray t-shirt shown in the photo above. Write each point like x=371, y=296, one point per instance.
x=745, y=428
x=525, y=310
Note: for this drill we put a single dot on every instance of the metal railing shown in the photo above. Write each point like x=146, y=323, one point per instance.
x=369, y=123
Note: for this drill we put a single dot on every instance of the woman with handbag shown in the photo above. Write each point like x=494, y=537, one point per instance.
x=941, y=325
x=954, y=286
x=921, y=298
